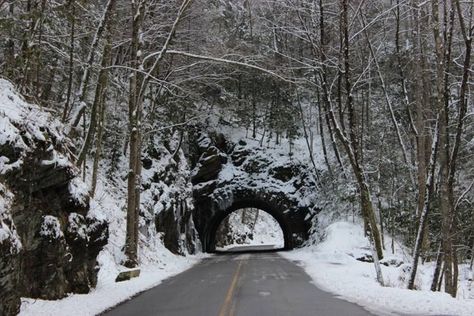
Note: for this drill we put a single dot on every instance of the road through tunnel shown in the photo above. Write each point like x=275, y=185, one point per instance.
x=246, y=229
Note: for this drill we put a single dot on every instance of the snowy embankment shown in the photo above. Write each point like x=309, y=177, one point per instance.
x=333, y=266
x=156, y=261
x=108, y=293
x=267, y=231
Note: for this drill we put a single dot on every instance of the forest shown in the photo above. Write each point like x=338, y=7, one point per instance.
x=379, y=90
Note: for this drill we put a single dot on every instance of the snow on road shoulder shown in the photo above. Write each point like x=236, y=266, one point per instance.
x=107, y=294
x=333, y=267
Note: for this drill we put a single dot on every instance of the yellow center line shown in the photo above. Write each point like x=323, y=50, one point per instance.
x=232, y=310
x=230, y=292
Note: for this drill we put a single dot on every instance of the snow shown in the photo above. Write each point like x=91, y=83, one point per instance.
x=50, y=227
x=75, y=226
x=333, y=266
x=15, y=110
x=278, y=153
x=57, y=159
x=22, y=123
x=9, y=133
x=8, y=231
x=163, y=191
x=79, y=191
x=266, y=231
x=108, y=293
x=265, y=160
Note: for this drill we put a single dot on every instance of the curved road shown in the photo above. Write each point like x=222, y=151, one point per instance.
x=236, y=283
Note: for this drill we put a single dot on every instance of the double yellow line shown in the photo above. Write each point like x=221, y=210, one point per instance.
x=227, y=309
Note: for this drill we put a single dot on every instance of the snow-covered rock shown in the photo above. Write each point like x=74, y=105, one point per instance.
x=230, y=175
x=43, y=253
x=167, y=200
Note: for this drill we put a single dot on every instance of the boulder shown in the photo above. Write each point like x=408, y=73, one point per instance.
x=167, y=199
x=209, y=165
x=174, y=223
x=284, y=173
x=395, y=262
x=127, y=275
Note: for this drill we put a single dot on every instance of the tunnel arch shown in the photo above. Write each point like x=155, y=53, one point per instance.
x=209, y=240
x=211, y=210
x=228, y=176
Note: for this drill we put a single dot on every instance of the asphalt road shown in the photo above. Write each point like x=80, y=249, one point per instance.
x=243, y=284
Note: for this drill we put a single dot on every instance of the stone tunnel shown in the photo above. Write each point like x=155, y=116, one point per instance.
x=230, y=176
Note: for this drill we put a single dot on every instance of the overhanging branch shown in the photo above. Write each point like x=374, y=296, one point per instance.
x=231, y=62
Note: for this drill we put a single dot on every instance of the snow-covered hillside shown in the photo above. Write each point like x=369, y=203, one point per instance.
x=249, y=227
x=334, y=266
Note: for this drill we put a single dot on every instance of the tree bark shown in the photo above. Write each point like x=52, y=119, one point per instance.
x=95, y=111
x=426, y=208
x=72, y=9
x=134, y=109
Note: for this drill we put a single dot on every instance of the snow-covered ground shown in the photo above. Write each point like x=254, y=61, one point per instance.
x=108, y=293
x=266, y=230
x=333, y=266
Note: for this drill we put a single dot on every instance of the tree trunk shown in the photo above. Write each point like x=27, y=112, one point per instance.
x=72, y=9
x=95, y=112
x=425, y=210
x=98, y=144
x=437, y=271
x=134, y=108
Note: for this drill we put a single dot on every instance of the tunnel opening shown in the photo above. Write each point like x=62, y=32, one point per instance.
x=210, y=240
x=249, y=229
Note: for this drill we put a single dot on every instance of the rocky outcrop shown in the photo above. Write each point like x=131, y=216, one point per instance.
x=57, y=238
x=229, y=176
x=167, y=197
x=209, y=165
x=9, y=253
x=177, y=226
x=10, y=302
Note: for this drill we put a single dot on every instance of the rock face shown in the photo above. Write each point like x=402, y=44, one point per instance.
x=228, y=177
x=9, y=254
x=53, y=239
x=167, y=197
